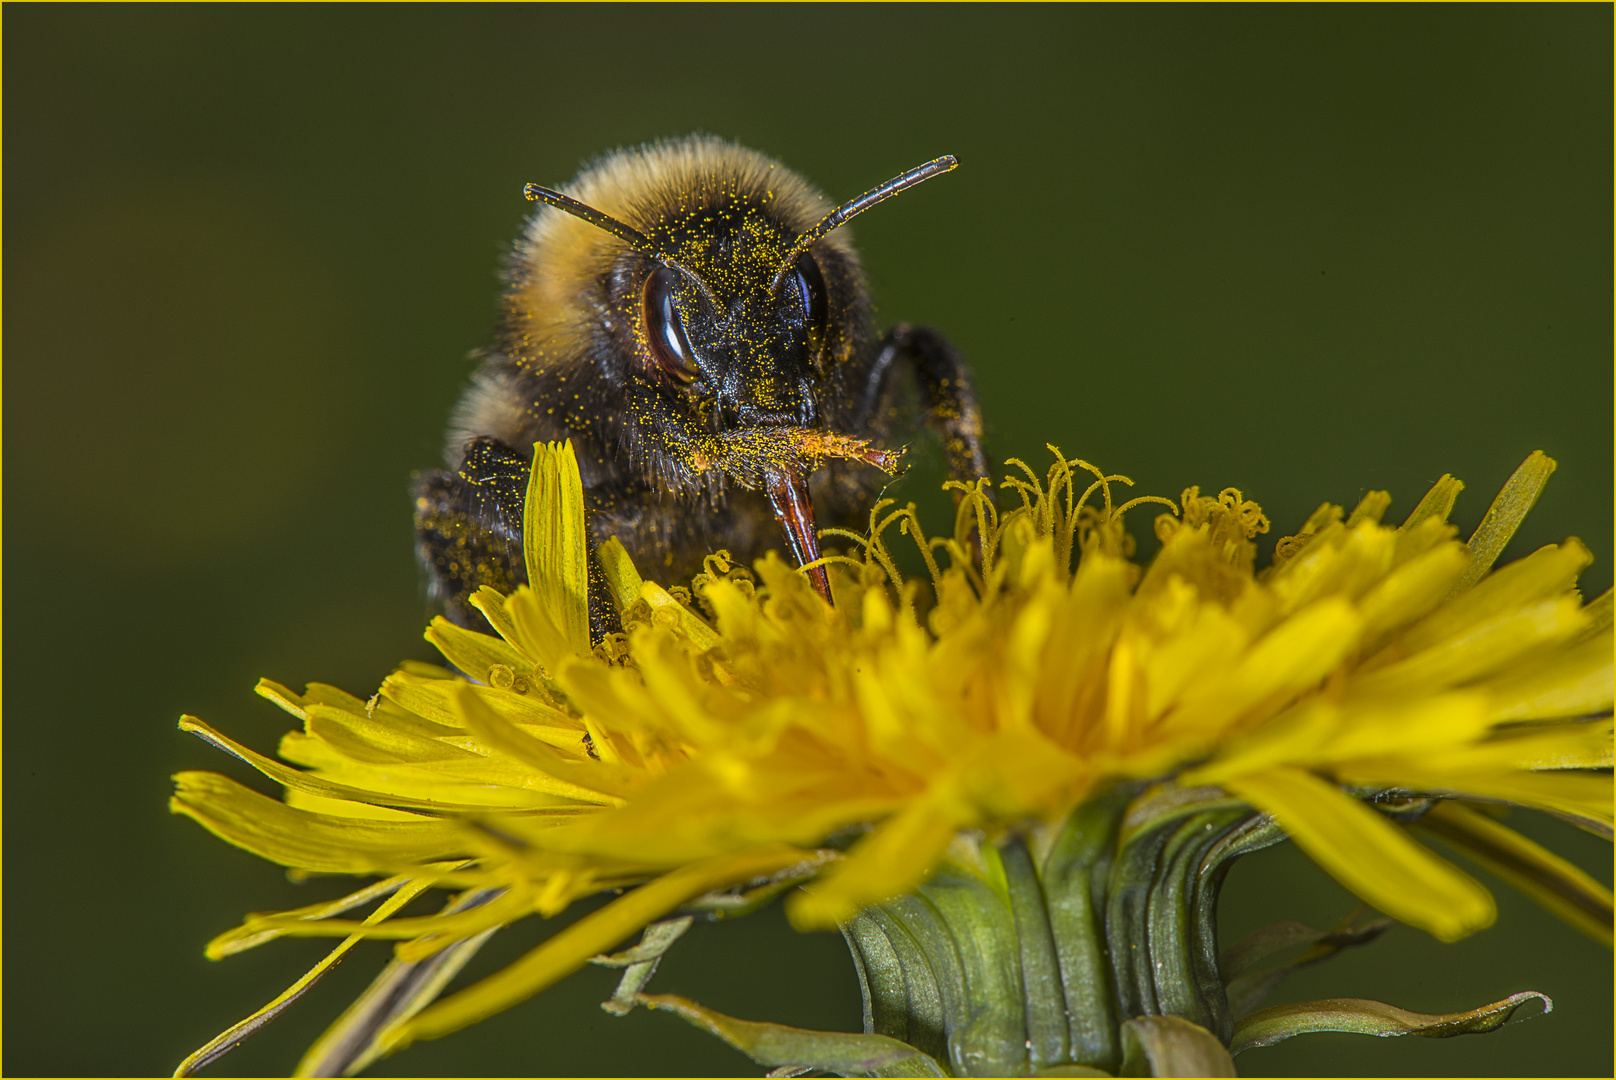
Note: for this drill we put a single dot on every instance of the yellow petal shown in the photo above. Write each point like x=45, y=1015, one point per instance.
x=1368, y=854
x=674, y=691
x=1370, y=509
x=1601, y=614
x=245, y=937
x=445, y=927
x=537, y=627
x=1556, y=884
x=893, y=858
x=680, y=619
x=596, y=933
x=1550, y=746
x=474, y=653
x=1412, y=590
x=593, y=781
x=1079, y=641
x=495, y=782
x=1578, y=681
x=1357, y=559
x=429, y=698
x=322, y=694
x=319, y=804
x=1018, y=679
x=621, y=575
x=1429, y=533
x=1505, y=515
x=1205, y=645
x=388, y=738
x=282, y=696
x=272, y=830
x=315, y=785
x=1292, y=657
x=1481, y=649
x=1584, y=796
x=1437, y=503
x=1547, y=573
x=228, y=1039
x=1298, y=735
x=737, y=614
x=491, y=602
x=555, y=542
x=1414, y=727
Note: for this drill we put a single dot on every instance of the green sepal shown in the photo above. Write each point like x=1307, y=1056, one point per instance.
x=1172, y=1046
x=1183, y=965
x=989, y=1037
x=1074, y=878
x=901, y=997
x=1160, y=903
x=1164, y=803
x=1262, y=943
x=1247, y=986
x=1043, y=996
x=1126, y=916
x=640, y=962
x=929, y=931
x=732, y=905
x=1361, y=1017
x=1253, y=834
x=841, y=1052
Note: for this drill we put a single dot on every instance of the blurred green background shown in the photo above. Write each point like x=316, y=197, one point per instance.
x=1305, y=251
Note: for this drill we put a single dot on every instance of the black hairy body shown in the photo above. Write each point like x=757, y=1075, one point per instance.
x=687, y=318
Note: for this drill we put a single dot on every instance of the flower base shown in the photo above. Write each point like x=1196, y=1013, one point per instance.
x=1017, y=958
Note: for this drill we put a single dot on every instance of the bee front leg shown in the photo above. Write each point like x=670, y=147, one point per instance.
x=468, y=528
x=950, y=402
x=951, y=405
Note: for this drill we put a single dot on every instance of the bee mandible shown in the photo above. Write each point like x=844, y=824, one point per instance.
x=691, y=315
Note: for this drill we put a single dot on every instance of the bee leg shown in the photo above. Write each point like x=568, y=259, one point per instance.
x=468, y=527
x=950, y=400
x=951, y=405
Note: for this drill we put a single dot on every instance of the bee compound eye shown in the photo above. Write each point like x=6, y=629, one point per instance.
x=665, y=330
x=811, y=286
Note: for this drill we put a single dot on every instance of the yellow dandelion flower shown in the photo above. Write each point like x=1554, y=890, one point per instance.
x=1015, y=787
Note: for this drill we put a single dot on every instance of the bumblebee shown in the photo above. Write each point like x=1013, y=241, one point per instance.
x=689, y=316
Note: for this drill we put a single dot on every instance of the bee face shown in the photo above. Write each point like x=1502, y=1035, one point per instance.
x=724, y=321
x=752, y=359
x=691, y=315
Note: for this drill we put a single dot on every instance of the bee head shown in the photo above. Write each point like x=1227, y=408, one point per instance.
x=725, y=306
x=724, y=324
x=701, y=320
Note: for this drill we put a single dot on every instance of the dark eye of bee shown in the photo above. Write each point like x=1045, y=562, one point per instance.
x=811, y=285
x=665, y=330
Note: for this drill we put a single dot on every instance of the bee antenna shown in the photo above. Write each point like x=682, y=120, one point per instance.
x=853, y=207
x=626, y=233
